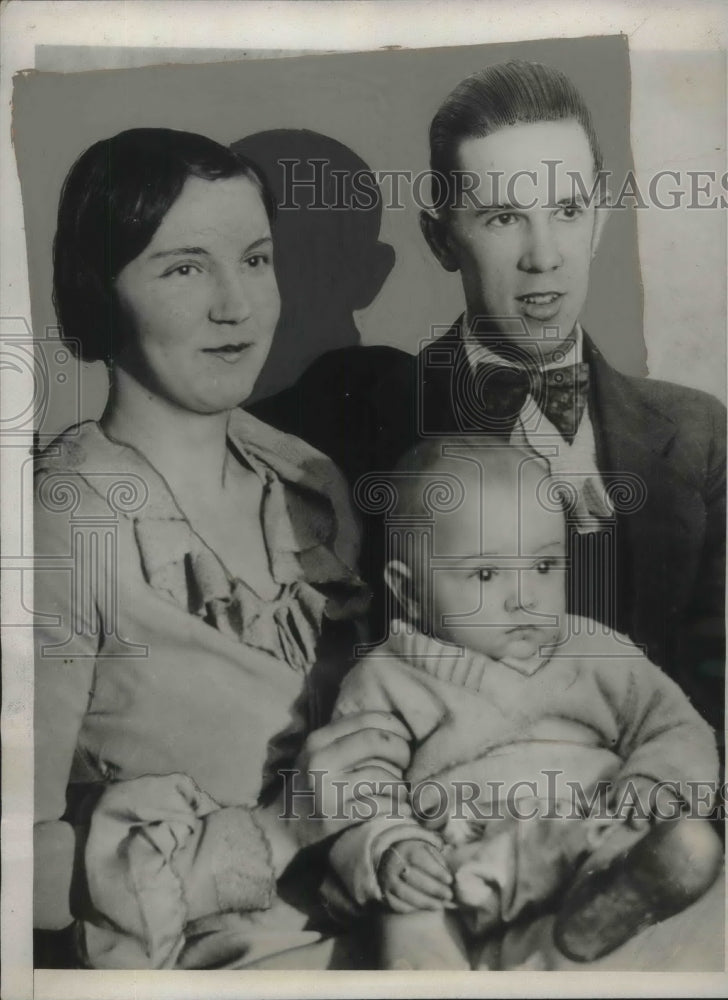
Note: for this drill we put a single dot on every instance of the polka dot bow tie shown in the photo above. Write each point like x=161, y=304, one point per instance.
x=560, y=394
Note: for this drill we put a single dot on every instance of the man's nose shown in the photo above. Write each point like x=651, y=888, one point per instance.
x=541, y=250
x=230, y=301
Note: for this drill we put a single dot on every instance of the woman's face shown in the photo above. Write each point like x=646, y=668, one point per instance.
x=201, y=302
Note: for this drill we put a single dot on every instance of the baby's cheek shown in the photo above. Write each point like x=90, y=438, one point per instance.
x=457, y=855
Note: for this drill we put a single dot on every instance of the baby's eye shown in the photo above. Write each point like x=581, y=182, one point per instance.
x=486, y=574
x=544, y=566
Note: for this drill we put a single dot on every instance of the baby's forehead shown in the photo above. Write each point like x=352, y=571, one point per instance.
x=472, y=480
x=491, y=506
x=491, y=477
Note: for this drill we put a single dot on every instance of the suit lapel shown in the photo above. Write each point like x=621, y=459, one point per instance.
x=659, y=513
x=445, y=403
x=628, y=430
x=661, y=516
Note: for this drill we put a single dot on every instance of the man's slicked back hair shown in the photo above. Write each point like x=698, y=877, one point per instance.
x=511, y=93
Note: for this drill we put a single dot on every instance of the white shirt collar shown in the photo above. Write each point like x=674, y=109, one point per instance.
x=479, y=353
x=577, y=462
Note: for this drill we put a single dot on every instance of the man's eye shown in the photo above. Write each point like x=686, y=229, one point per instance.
x=570, y=212
x=503, y=219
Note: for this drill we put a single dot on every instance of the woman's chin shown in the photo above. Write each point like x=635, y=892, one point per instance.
x=214, y=400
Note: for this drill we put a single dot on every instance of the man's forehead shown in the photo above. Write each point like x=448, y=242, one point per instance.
x=548, y=149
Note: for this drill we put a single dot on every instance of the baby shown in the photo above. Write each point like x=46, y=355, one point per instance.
x=545, y=750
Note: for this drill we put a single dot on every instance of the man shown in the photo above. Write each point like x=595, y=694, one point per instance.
x=642, y=462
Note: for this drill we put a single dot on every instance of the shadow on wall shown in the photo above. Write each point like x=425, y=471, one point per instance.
x=328, y=258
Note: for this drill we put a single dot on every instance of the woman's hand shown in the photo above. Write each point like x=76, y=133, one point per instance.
x=340, y=769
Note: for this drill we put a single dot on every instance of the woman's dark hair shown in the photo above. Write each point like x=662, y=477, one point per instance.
x=511, y=93
x=112, y=203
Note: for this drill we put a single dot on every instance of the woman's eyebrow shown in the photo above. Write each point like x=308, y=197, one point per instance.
x=258, y=243
x=201, y=251
x=179, y=252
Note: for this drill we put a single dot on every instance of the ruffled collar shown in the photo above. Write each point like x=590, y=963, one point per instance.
x=307, y=543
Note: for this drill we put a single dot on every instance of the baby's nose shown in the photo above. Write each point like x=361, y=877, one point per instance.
x=522, y=595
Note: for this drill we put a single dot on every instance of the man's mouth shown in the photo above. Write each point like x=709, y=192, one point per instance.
x=539, y=298
x=540, y=306
x=227, y=352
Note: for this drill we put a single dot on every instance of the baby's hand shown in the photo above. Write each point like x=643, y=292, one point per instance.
x=413, y=876
x=648, y=802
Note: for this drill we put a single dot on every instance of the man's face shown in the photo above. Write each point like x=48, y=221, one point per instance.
x=524, y=247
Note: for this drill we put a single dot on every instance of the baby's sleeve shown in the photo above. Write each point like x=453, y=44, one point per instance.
x=663, y=738
x=378, y=683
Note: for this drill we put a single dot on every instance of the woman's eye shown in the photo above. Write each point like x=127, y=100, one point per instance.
x=183, y=270
x=257, y=259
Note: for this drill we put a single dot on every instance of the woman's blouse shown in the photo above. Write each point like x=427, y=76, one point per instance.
x=153, y=660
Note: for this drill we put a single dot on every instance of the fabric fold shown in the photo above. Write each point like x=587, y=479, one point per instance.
x=301, y=517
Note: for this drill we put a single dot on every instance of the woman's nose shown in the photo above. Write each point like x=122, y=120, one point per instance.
x=541, y=250
x=230, y=303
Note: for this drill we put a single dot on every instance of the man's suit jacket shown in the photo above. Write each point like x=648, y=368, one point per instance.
x=364, y=407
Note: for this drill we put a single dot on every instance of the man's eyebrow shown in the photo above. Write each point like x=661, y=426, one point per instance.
x=180, y=252
x=505, y=206
x=572, y=199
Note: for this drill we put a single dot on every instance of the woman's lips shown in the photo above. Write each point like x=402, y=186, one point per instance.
x=229, y=353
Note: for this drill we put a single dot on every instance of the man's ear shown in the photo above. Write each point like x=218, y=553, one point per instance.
x=435, y=230
x=601, y=214
x=399, y=579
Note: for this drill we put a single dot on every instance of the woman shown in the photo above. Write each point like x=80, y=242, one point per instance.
x=196, y=580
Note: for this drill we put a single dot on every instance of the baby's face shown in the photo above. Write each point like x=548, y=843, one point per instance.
x=498, y=576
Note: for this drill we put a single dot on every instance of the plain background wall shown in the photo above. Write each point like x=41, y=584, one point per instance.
x=380, y=104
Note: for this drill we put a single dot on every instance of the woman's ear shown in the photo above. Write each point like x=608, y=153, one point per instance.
x=435, y=230
x=398, y=577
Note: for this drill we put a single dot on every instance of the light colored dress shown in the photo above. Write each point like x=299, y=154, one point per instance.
x=172, y=688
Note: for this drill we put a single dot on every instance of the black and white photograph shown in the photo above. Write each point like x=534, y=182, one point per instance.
x=363, y=458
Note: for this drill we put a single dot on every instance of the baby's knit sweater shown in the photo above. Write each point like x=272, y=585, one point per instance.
x=594, y=710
